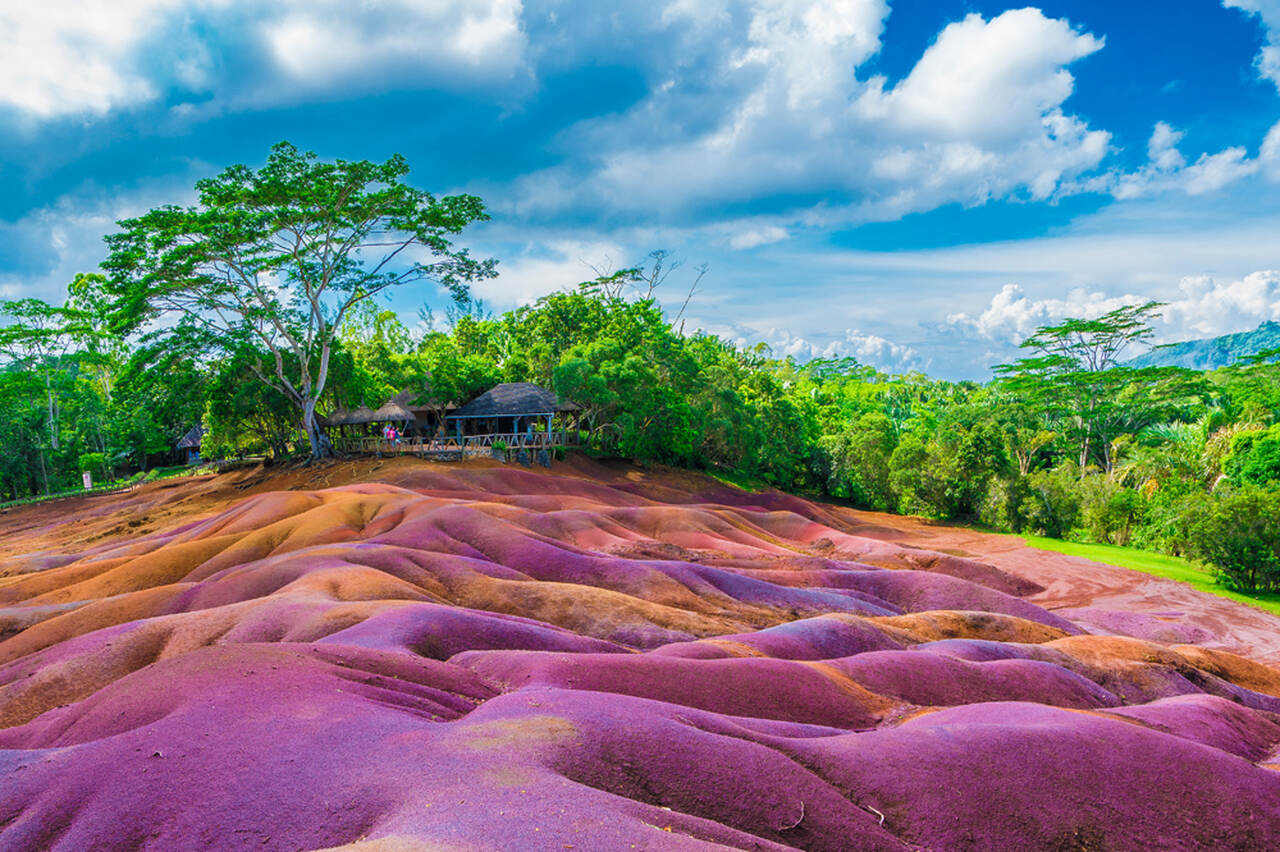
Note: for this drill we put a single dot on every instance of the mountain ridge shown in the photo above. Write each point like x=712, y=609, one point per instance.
x=1210, y=353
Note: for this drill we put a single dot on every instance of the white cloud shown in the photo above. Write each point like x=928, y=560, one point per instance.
x=1162, y=149
x=988, y=81
x=87, y=57
x=1167, y=170
x=1012, y=316
x=76, y=56
x=1206, y=307
x=1214, y=171
x=1200, y=307
x=319, y=41
x=1268, y=58
x=781, y=112
x=760, y=236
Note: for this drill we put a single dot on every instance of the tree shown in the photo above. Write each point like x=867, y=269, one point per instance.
x=275, y=259
x=1076, y=378
x=37, y=339
x=1239, y=535
x=450, y=375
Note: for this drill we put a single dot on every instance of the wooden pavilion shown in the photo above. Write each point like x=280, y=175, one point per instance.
x=514, y=412
x=511, y=416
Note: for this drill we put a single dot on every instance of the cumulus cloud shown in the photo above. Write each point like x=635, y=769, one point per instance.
x=1201, y=307
x=1012, y=315
x=988, y=80
x=1206, y=307
x=870, y=349
x=979, y=117
x=1167, y=170
x=82, y=57
x=76, y=56
x=1268, y=58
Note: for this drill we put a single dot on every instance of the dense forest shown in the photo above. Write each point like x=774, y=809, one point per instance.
x=264, y=306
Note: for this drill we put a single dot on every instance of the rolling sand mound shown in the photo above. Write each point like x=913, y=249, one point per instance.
x=395, y=656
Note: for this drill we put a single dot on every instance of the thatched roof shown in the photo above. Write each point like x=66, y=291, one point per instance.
x=192, y=439
x=392, y=410
x=399, y=407
x=348, y=417
x=514, y=399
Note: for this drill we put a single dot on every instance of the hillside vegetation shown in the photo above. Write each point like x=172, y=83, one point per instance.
x=1069, y=442
x=1213, y=352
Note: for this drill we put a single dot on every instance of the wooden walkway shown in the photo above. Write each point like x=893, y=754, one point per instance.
x=455, y=448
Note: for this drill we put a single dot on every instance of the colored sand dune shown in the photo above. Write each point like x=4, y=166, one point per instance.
x=477, y=657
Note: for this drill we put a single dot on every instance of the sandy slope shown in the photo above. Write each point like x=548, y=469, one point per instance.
x=400, y=655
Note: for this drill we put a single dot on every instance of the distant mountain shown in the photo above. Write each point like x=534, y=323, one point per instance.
x=1213, y=352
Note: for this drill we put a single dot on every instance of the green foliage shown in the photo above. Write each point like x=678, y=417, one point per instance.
x=1052, y=507
x=92, y=462
x=1239, y=536
x=860, y=457
x=1110, y=512
x=272, y=261
x=1254, y=458
x=275, y=285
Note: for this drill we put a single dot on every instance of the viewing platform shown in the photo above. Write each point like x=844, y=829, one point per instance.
x=457, y=448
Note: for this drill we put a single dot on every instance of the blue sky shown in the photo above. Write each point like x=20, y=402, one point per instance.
x=918, y=184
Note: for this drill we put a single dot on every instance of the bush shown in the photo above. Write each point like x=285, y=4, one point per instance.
x=1255, y=457
x=1053, y=506
x=92, y=462
x=1110, y=512
x=1238, y=535
x=1002, y=507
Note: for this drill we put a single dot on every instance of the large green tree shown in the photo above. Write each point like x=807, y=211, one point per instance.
x=1078, y=381
x=273, y=260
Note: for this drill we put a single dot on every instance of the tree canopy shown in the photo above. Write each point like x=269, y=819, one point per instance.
x=271, y=261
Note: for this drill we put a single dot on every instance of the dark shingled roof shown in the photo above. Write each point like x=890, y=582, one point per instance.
x=512, y=400
x=192, y=439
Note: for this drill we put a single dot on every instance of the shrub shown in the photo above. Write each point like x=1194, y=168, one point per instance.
x=1109, y=511
x=92, y=462
x=1052, y=507
x=1004, y=503
x=1238, y=535
x=1255, y=457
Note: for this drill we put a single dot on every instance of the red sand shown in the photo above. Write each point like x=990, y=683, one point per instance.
x=401, y=655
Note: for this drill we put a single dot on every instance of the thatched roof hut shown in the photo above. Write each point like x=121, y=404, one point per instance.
x=191, y=440
x=396, y=408
x=350, y=417
x=514, y=399
x=400, y=408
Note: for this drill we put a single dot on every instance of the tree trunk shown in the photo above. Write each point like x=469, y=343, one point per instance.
x=53, y=416
x=320, y=448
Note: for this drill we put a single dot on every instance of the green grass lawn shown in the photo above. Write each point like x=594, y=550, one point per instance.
x=1170, y=567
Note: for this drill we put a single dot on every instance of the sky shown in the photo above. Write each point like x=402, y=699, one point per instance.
x=916, y=184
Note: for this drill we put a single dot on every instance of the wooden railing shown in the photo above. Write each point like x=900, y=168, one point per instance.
x=465, y=445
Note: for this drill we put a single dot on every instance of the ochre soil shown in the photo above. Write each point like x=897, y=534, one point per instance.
x=394, y=654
